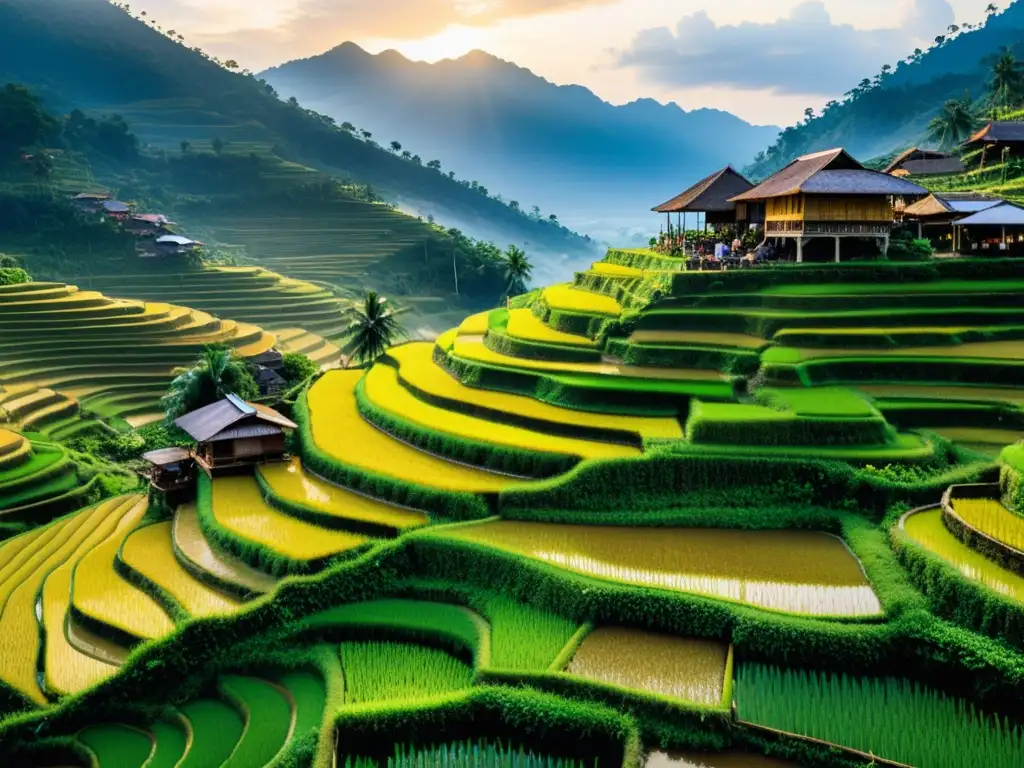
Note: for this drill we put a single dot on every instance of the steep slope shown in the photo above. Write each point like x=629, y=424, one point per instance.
x=896, y=113
x=553, y=146
x=90, y=54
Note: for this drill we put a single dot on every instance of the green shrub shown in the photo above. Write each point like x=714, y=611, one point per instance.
x=905, y=249
x=1011, y=477
x=14, y=276
x=297, y=368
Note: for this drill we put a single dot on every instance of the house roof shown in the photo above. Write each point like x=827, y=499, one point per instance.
x=998, y=130
x=166, y=456
x=91, y=196
x=152, y=218
x=951, y=203
x=1003, y=214
x=712, y=193
x=831, y=172
x=938, y=166
x=116, y=206
x=175, y=240
x=912, y=154
x=206, y=424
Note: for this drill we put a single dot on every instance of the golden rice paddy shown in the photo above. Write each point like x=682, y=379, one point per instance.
x=386, y=392
x=19, y=628
x=698, y=338
x=682, y=668
x=993, y=519
x=416, y=366
x=615, y=270
x=801, y=572
x=928, y=530
x=9, y=441
x=571, y=299
x=292, y=483
x=341, y=432
x=239, y=506
x=100, y=593
x=523, y=324
x=149, y=551
x=476, y=351
x=190, y=542
x=474, y=325
x=18, y=546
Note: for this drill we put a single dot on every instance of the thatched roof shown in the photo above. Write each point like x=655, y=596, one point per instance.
x=165, y=457
x=939, y=166
x=1004, y=214
x=998, y=131
x=915, y=153
x=712, y=193
x=951, y=204
x=215, y=421
x=833, y=172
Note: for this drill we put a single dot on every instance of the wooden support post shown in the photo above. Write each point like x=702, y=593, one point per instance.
x=837, y=249
x=1002, y=238
x=800, y=249
x=920, y=230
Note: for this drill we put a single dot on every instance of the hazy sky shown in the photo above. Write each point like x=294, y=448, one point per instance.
x=765, y=60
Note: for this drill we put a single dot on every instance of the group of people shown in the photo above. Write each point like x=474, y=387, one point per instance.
x=724, y=253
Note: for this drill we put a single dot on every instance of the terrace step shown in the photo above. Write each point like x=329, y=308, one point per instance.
x=269, y=712
x=118, y=745
x=216, y=729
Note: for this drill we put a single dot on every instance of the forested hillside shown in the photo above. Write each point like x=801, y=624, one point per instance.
x=892, y=109
x=93, y=55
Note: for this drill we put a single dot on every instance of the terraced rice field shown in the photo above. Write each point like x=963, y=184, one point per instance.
x=149, y=552
x=928, y=530
x=383, y=389
x=475, y=325
x=379, y=672
x=121, y=746
x=417, y=368
x=984, y=350
x=268, y=721
x=523, y=324
x=568, y=298
x=476, y=351
x=341, y=432
x=216, y=730
x=523, y=637
x=71, y=538
x=309, y=693
x=240, y=508
x=101, y=594
x=793, y=571
x=171, y=743
x=615, y=270
x=697, y=338
x=990, y=517
x=291, y=483
x=680, y=668
x=987, y=441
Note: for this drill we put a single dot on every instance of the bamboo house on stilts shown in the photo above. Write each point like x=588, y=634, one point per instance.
x=710, y=196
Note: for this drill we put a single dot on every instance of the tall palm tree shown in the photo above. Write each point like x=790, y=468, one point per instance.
x=954, y=123
x=216, y=373
x=518, y=270
x=372, y=328
x=1007, y=85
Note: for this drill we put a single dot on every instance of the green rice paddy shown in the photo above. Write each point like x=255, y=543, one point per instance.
x=171, y=743
x=268, y=720
x=117, y=745
x=216, y=731
x=893, y=719
x=390, y=672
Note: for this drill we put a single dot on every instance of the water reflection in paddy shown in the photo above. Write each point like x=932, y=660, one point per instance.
x=926, y=529
x=714, y=760
x=796, y=571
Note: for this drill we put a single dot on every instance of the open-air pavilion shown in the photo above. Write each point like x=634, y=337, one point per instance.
x=711, y=196
x=998, y=230
x=935, y=216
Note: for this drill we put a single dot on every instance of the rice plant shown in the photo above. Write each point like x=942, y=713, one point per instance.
x=888, y=717
x=467, y=754
x=376, y=672
x=523, y=324
x=523, y=637
x=572, y=299
x=990, y=517
x=268, y=720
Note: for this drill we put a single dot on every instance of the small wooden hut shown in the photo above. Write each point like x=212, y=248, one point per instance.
x=712, y=196
x=172, y=473
x=233, y=434
x=936, y=215
x=998, y=139
x=995, y=231
x=830, y=195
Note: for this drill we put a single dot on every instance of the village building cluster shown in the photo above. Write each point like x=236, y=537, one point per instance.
x=153, y=231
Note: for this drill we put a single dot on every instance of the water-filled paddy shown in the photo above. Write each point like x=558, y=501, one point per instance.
x=795, y=571
x=713, y=760
x=680, y=667
x=927, y=529
x=993, y=519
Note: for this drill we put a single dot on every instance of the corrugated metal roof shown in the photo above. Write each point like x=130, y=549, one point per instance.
x=971, y=206
x=1003, y=214
x=246, y=432
x=115, y=206
x=175, y=240
x=213, y=419
x=165, y=456
x=711, y=193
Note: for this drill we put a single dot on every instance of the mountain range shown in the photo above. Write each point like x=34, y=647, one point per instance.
x=894, y=111
x=558, y=147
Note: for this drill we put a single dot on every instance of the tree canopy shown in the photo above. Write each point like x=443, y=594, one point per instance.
x=23, y=121
x=372, y=328
x=217, y=373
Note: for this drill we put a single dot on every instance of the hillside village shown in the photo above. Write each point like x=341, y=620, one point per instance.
x=291, y=478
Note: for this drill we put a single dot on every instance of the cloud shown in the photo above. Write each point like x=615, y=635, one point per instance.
x=804, y=53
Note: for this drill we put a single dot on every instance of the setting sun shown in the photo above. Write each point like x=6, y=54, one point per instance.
x=451, y=43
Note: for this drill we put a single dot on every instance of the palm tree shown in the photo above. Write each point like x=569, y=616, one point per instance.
x=518, y=270
x=1007, y=83
x=372, y=328
x=217, y=372
x=954, y=124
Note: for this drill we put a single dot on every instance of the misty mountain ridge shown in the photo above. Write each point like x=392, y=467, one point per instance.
x=560, y=147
